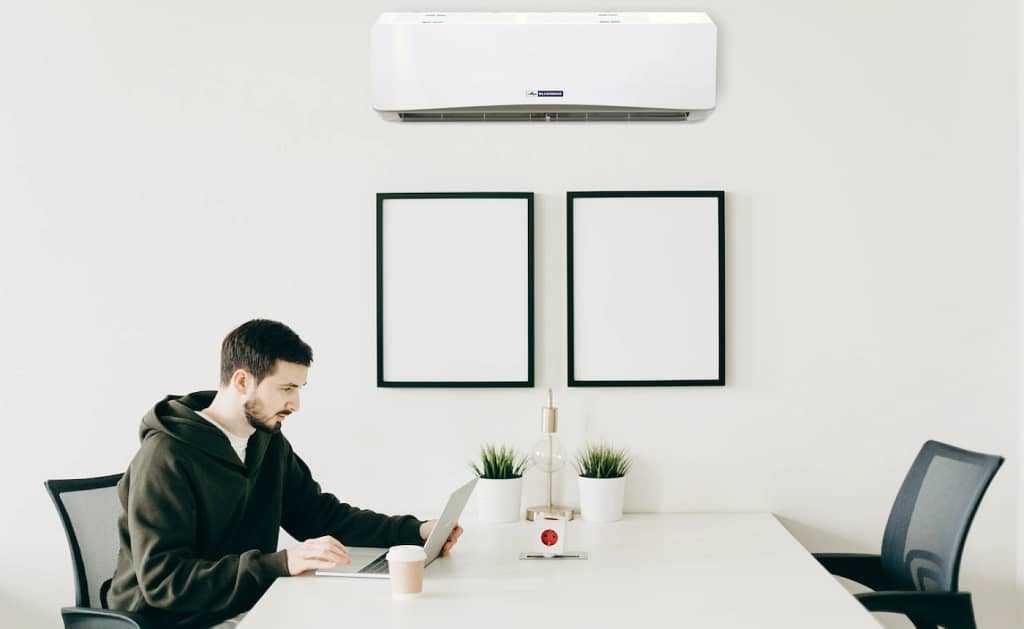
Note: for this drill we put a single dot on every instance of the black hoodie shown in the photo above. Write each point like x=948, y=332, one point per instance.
x=199, y=529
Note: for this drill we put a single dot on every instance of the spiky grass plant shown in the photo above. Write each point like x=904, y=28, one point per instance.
x=602, y=461
x=499, y=462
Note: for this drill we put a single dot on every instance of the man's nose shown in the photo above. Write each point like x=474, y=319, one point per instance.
x=292, y=405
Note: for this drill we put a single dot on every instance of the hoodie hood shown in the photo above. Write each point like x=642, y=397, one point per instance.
x=176, y=417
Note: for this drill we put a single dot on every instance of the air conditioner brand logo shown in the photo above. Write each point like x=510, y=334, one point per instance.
x=546, y=93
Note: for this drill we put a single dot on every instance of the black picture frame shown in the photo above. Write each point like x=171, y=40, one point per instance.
x=433, y=373
x=710, y=361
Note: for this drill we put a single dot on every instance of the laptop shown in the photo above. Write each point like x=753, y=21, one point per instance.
x=371, y=563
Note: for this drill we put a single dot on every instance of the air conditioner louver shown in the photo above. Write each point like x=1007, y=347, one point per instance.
x=553, y=116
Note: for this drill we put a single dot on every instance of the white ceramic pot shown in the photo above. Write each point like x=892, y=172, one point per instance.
x=601, y=498
x=499, y=499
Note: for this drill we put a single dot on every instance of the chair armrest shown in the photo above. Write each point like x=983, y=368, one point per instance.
x=952, y=610
x=95, y=618
x=862, y=568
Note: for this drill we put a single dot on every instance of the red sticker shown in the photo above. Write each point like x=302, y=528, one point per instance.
x=549, y=537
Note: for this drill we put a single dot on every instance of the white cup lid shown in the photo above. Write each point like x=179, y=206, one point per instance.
x=406, y=553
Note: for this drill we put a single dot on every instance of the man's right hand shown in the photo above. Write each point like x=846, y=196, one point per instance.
x=313, y=554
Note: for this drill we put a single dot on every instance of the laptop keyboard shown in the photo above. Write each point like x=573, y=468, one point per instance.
x=378, y=566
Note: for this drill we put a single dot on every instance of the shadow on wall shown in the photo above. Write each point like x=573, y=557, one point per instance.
x=18, y=614
x=819, y=540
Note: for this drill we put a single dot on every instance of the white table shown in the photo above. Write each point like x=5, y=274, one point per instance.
x=733, y=570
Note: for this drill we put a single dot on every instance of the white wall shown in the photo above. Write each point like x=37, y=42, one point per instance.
x=169, y=170
x=1020, y=281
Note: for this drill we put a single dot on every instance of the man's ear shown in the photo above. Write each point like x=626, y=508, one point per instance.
x=240, y=381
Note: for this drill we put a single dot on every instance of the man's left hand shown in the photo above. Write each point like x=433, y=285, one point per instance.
x=428, y=526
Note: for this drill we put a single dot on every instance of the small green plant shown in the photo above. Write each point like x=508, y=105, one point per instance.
x=602, y=461
x=499, y=462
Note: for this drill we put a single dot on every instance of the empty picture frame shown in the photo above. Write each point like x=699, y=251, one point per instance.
x=455, y=289
x=646, y=288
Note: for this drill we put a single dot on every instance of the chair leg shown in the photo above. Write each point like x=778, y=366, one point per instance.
x=962, y=618
x=921, y=624
x=926, y=610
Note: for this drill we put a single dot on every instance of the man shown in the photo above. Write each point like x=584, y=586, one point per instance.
x=213, y=482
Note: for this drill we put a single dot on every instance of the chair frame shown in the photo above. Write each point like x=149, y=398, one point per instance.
x=83, y=614
x=57, y=487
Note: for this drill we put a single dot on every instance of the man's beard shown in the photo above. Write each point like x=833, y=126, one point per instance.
x=270, y=424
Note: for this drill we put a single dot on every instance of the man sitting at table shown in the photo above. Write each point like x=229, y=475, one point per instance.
x=215, y=479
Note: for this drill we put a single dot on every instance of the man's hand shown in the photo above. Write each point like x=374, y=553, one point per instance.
x=428, y=526
x=313, y=554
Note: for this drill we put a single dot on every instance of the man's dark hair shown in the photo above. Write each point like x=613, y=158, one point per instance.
x=257, y=345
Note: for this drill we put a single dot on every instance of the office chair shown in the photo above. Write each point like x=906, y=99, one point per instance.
x=88, y=509
x=917, y=571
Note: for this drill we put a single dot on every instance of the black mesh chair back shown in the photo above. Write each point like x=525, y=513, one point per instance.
x=89, y=509
x=924, y=537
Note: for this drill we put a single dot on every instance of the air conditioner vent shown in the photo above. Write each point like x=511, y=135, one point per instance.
x=551, y=116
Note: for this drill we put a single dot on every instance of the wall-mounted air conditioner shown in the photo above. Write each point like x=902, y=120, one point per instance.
x=543, y=66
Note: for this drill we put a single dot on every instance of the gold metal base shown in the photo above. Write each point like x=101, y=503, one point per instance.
x=561, y=512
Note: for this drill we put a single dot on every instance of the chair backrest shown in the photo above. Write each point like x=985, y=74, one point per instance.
x=924, y=537
x=89, y=509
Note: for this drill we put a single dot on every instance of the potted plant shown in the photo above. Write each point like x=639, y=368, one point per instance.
x=602, y=477
x=500, y=488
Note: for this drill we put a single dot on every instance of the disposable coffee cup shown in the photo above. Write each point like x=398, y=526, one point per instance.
x=405, y=565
